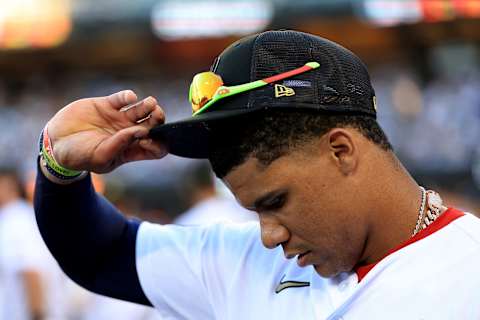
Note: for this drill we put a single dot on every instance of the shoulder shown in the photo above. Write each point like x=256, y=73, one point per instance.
x=228, y=243
x=469, y=225
x=218, y=231
x=154, y=236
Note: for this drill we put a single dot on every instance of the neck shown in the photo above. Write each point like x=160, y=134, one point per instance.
x=394, y=213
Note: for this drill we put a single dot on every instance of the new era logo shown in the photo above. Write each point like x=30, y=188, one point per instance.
x=283, y=91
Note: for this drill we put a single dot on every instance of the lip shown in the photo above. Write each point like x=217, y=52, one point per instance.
x=293, y=254
x=302, y=259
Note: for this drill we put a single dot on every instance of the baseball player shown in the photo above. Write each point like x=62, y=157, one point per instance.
x=288, y=122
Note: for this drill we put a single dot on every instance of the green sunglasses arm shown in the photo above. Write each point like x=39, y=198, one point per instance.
x=230, y=92
x=223, y=91
x=190, y=92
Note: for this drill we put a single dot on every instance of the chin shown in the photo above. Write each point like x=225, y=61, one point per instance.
x=326, y=271
x=330, y=270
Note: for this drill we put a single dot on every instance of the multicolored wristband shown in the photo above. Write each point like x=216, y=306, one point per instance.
x=49, y=162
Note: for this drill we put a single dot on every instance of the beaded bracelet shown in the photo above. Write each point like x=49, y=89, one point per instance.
x=50, y=164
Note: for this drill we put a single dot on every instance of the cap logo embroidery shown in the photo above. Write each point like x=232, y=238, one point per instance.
x=283, y=91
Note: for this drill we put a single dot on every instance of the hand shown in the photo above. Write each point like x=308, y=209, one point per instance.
x=100, y=134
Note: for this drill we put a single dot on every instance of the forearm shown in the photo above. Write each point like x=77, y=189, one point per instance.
x=93, y=242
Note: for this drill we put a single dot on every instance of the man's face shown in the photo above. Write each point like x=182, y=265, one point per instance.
x=306, y=204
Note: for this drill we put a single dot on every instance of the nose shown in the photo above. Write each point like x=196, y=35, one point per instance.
x=273, y=233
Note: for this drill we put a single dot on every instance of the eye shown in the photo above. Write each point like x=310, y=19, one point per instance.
x=275, y=203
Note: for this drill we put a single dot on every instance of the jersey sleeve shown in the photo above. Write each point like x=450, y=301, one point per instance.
x=186, y=271
x=92, y=241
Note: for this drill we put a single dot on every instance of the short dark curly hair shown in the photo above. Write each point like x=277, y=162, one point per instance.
x=268, y=136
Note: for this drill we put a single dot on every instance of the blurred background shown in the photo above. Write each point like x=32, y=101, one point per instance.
x=423, y=56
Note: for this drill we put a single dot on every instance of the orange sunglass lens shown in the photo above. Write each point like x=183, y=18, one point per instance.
x=203, y=87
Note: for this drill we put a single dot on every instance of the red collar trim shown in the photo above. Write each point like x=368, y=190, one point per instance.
x=447, y=217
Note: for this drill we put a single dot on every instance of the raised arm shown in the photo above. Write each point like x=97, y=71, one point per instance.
x=93, y=242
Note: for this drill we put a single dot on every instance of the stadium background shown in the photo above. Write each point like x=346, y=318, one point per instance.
x=423, y=56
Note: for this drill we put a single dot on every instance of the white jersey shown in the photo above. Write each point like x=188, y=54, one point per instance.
x=224, y=272
x=22, y=249
x=210, y=211
x=105, y=308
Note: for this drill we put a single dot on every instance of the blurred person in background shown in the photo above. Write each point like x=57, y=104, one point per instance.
x=207, y=206
x=33, y=286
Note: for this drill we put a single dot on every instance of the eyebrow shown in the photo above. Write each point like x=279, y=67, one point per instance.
x=260, y=202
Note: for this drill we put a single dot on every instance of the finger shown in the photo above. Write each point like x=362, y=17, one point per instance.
x=140, y=110
x=153, y=148
x=112, y=147
x=144, y=149
x=157, y=116
x=121, y=98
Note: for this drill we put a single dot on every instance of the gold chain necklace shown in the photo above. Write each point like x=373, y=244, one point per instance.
x=434, y=204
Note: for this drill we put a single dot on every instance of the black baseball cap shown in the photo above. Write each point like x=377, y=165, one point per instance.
x=340, y=85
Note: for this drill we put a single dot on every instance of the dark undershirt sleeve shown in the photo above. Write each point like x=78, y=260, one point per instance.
x=91, y=240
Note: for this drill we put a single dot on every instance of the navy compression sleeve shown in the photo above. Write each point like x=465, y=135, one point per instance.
x=93, y=243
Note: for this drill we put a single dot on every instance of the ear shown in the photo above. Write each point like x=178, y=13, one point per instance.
x=343, y=150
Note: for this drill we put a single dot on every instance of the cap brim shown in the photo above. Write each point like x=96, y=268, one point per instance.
x=191, y=138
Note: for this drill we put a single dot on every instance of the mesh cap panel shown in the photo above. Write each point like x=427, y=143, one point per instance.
x=340, y=85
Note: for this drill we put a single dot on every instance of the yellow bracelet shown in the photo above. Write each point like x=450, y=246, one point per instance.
x=46, y=152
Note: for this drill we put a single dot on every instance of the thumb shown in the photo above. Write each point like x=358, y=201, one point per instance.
x=112, y=147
